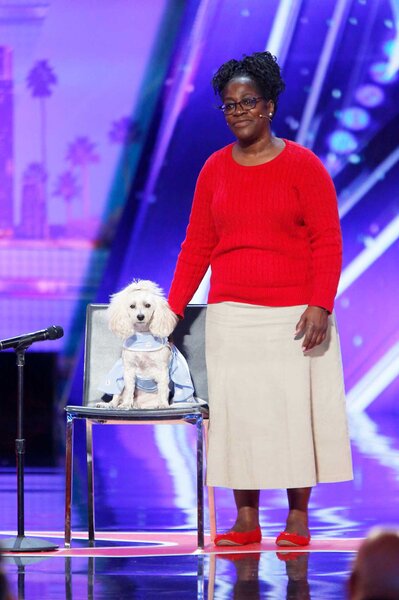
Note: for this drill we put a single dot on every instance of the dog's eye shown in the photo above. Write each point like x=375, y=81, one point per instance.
x=132, y=306
x=147, y=305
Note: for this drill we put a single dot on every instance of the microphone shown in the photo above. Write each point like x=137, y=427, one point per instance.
x=51, y=333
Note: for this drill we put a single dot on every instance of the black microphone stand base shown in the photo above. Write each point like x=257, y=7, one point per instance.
x=26, y=544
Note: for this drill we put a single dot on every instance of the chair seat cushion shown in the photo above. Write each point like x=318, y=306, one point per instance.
x=177, y=412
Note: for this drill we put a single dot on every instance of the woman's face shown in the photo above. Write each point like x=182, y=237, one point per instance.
x=247, y=124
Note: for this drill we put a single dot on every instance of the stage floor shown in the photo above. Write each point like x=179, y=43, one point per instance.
x=149, y=565
x=173, y=568
x=146, y=544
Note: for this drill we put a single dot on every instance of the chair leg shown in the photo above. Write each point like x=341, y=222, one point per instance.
x=212, y=576
x=211, y=492
x=200, y=481
x=68, y=578
x=90, y=481
x=90, y=578
x=201, y=577
x=68, y=480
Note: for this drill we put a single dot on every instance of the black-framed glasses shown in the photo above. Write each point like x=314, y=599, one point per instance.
x=246, y=104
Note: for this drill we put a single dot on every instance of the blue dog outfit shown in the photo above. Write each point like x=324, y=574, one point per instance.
x=179, y=373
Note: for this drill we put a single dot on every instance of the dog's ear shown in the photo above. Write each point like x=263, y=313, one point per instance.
x=163, y=320
x=118, y=315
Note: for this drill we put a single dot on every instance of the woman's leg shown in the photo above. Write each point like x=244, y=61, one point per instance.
x=298, y=502
x=247, y=503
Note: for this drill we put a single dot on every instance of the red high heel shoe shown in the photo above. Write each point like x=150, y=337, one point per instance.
x=292, y=539
x=239, y=538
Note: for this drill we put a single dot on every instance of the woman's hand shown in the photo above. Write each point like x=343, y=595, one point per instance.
x=313, y=325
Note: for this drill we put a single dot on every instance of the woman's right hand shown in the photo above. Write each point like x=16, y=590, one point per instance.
x=313, y=325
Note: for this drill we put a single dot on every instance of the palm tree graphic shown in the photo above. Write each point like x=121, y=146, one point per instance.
x=81, y=153
x=67, y=188
x=40, y=80
x=126, y=132
x=35, y=173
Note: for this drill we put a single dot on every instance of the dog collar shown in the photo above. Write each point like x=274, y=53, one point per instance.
x=144, y=342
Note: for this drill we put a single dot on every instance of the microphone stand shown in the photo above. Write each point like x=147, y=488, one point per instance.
x=21, y=543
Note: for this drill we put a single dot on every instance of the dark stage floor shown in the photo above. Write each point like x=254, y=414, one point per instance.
x=252, y=575
x=146, y=546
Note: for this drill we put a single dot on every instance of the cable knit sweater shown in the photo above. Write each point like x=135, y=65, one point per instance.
x=270, y=232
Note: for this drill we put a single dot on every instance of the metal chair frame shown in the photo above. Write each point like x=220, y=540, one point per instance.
x=196, y=415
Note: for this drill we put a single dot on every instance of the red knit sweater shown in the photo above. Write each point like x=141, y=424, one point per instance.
x=270, y=232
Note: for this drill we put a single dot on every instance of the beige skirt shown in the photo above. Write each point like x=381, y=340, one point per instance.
x=277, y=416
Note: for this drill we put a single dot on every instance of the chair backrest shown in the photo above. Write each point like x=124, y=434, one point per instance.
x=189, y=337
x=103, y=348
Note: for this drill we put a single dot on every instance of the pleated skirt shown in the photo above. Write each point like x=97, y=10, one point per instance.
x=277, y=415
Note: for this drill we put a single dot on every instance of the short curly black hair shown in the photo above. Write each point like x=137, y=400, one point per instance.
x=261, y=67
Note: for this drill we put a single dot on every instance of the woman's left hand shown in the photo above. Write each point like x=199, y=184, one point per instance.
x=313, y=325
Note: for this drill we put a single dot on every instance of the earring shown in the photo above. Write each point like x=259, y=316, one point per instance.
x=270, y=115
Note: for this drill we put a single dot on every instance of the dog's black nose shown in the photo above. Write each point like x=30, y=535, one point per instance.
x=140, y=317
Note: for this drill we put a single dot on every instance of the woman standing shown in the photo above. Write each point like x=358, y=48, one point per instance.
x=265, y=218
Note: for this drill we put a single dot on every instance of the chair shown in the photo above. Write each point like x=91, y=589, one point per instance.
x=102, y=349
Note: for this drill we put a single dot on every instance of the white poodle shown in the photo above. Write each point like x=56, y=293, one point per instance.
x=141, y=316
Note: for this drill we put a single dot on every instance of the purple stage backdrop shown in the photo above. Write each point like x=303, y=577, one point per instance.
x=78, y=83
x=74, y=77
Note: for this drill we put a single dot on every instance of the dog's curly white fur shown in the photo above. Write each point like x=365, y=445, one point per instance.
x=141, y=307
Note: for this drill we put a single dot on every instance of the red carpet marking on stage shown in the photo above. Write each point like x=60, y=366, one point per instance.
x=174, y=544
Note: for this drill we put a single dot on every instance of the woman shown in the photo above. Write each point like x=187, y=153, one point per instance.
x=265, y=218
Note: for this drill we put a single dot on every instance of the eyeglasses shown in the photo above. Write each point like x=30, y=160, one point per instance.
x=245, y=104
